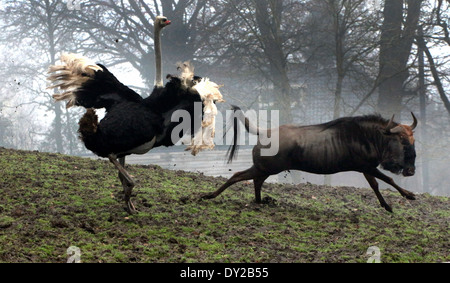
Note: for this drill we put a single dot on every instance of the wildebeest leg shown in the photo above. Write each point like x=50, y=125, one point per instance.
x=258, y=182
x=238, y=177
x=374, y=185
x=405, y=193
x=127, y=183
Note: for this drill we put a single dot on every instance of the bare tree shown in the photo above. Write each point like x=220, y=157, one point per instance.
x=5, y=129
x=269, y=17
x=397, y=37
x=442, y=20
x=123, y=30
x=42, y=26
x=352, y=40
x=437, y=80
x=256, y=44
x=434, y=32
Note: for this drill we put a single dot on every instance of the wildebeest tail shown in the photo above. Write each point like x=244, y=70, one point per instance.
x=250, y=127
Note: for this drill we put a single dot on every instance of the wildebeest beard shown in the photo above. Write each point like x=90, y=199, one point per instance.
x=402, y=163
x=392, y=166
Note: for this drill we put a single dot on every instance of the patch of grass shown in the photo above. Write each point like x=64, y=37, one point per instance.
x=6, y=221
x=51, y=202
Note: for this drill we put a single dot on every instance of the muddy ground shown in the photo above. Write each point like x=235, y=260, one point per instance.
x=50, y=202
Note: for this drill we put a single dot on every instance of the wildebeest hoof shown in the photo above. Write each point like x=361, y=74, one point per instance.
x=410, y=196
x=387, y=207
x=208, y=196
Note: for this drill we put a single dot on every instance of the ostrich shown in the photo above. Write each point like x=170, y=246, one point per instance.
x=132, y=125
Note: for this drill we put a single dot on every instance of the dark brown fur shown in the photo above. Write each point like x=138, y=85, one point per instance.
x=348, y=144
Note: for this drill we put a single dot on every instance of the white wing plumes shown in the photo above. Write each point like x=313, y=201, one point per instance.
x=186, y=73
x=210, y=94
x=73, y=71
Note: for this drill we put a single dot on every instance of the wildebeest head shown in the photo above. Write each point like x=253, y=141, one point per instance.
x=400, y=154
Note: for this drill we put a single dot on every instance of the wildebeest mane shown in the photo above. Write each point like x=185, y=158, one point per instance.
x=364, y=130
x=366, y=120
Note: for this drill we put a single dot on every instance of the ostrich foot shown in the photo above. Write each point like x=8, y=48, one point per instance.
x=127, y=183
x=130, y=208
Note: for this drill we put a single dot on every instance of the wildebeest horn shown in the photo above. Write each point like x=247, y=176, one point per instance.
x=390, y=125
x=414, y=125
x=397, y=130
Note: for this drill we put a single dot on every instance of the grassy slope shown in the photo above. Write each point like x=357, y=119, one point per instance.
x=49, y=202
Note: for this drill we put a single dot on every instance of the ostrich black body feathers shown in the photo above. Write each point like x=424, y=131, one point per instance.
x=104, y=91
x=130, y=121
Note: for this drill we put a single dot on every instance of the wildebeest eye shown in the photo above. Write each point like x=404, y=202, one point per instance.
x=405, y=141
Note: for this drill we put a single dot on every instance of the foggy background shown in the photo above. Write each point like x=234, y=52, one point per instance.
x=314, y=60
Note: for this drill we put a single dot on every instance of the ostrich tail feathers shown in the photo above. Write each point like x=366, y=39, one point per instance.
x=70, y=75
x=79, y=65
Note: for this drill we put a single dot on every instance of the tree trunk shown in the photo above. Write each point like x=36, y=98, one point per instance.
x=339, y=41
x=395, y=49
x=338, y=97
x=270, y=36
x=58, y=128
x=434, y=72
x=69, y=134
x=423, y=128
x=58, y=132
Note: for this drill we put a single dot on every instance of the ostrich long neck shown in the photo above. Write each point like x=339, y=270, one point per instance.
x=158, y=57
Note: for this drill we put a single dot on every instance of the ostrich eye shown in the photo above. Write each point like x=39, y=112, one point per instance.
x=164, y=20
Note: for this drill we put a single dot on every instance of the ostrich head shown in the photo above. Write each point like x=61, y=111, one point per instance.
x=161, y=22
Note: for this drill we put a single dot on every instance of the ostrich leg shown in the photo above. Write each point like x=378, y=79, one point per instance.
x=127, y=182
x=121, y=176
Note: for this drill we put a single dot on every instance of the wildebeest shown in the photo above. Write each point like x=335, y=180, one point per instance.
x=358, y=144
